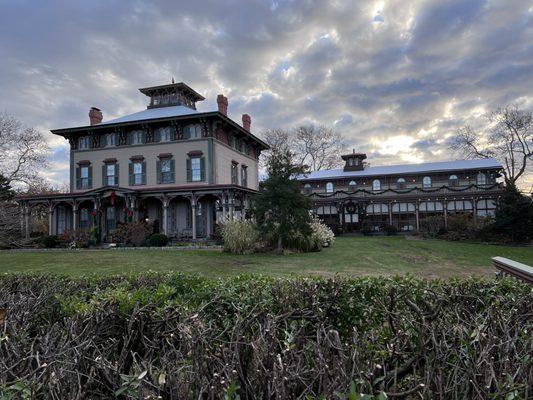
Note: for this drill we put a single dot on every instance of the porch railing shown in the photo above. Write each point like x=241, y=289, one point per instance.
x=512, y=268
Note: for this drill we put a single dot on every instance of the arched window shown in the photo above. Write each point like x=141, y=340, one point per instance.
x=454, y=180
x=426, y=182
x=481, y=179
x=329, y=187
x=376, y=184
x=307, y=188
x=400, y=183
x=352, y=185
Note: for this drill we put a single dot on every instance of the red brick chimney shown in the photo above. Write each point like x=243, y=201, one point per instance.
x=222, y=102
x=246, y=122
x=95, y=116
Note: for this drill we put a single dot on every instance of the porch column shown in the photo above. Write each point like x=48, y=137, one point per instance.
x=445, y=208
x=474, y=208
x=165, y=217
x=417, y=216
x=74, y=216
x=209, y=217
x=50, y=220
x=390, y=213
x=193, y=211
x=27, y=214
x=231, y=206
x=224, y=207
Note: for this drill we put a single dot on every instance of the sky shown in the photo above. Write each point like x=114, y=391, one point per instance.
x=396, y=78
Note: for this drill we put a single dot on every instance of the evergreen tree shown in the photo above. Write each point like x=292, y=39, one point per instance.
x=281, y=210
x=6, y=193
x=514, y=215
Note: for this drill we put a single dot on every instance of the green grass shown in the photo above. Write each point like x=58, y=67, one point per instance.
x=349, y=256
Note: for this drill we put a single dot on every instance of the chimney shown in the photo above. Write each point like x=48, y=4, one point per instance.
x=246, y=122
x=95, y=116
x=222, y=102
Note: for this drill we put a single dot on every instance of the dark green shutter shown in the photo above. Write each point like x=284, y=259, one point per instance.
x=78, y=178
x=158, y=171
x=90, y=176
x=104, y=173
x=143, y=137
x=130, y=167
x=116, y=174
x=157, y=135
x=189, y=172
x=129, y=138
x=202, y=169
x=144, y=173
x=172, y=171
x=103, y=140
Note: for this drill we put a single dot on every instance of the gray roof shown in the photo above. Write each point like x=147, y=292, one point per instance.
x=153, y=113
x=404, y=169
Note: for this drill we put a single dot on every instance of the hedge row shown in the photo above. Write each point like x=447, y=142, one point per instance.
x=178, y=337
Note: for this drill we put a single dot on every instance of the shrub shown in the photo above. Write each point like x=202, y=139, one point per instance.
x=390, y=230
x=50, y=241
x=321, y=232
x=432, y=226
x=158, y=240
x=299, y=242
x=240, y=237
x=315, y=338
x=78, y=238
x=133, y=233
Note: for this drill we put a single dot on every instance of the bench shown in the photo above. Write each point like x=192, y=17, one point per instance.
x=512, y=268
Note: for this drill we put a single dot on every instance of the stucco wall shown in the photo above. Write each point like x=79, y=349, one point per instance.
x=224, y=155
x=178, y=149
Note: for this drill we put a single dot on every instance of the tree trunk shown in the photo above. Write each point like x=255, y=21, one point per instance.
x=280, y=246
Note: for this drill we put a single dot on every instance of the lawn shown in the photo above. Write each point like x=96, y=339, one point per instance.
x=349, y=256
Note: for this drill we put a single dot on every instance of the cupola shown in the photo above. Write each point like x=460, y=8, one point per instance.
x=173, y=94
x=354, y=161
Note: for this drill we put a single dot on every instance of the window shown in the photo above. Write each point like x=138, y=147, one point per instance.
x=352, y=185
x=329, y=187
x=110, y=140
x=195, y=169
x=459, y=206
x=350, y=162
x=481, y=179
x=244, y=176
x=193, y=131
x=233, y=141
x=84, y=177
x=111, y=174
x=163, y=134
x=157, y=100
x=377, y=209
x=137, y=173
x=165, y=99
x=137, y=137
x=376, y=185
x=431, y=206
x=426, y=182
x=307, y=188
x=486, y=208
x=234, y=174
x=111, y=221
x=400, y=183
x=166, y=170
x=85, y=220
x=83, y=142
x=454, y=180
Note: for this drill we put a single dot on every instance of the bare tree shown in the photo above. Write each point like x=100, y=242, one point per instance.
x=24, y=151
x=317, y=147
x=509, y=140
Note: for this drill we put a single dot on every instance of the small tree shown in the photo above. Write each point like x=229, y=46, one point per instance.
x=514, y=215
x=280, y=207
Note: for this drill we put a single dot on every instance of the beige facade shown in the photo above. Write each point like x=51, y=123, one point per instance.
x=225, y=156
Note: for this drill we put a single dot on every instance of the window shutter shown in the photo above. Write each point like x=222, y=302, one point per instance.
x=158, y=171
x=90, y=176
x=78, y=178
x=104, y=170
x=129, y=138
x=172, y=171
x=144, y=173
x=143, y=139
x=103, y=140
x=189, y=172
x=116, y=174
x=130, y=167
x=187, y=132
x=202, y=169
x=157, y=135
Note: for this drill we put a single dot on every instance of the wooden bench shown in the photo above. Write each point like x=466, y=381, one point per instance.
x=512, y=268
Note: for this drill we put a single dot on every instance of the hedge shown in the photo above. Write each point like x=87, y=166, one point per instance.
x=188, y=337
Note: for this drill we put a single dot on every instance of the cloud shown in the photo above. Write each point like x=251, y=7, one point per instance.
x=395, y=78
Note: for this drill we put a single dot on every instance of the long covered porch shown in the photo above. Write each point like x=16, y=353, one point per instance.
x=180, y=214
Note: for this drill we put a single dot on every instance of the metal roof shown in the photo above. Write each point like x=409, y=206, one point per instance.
x=404, y=169
x=152, y=113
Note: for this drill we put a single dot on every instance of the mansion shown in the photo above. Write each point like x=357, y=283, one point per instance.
x=170, y=165
x=360, y=195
